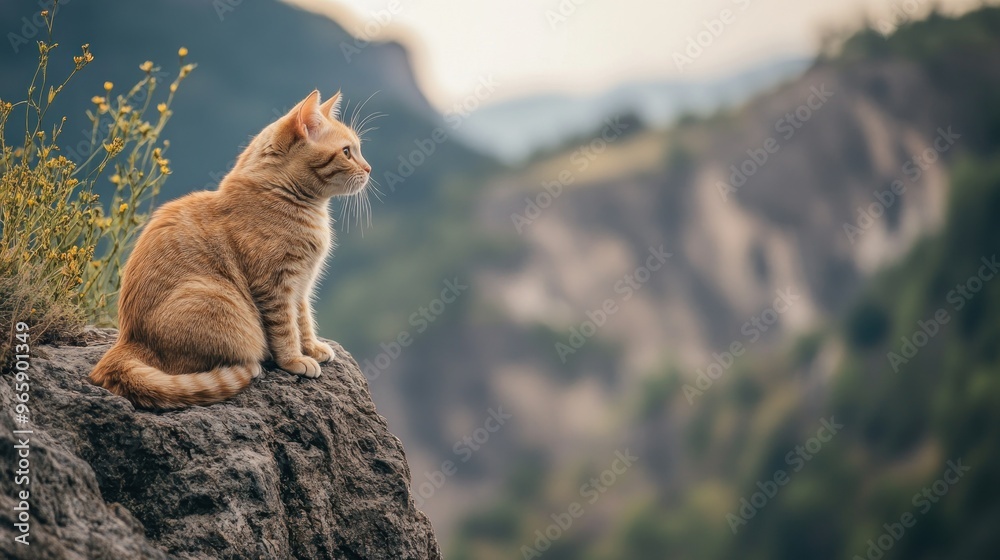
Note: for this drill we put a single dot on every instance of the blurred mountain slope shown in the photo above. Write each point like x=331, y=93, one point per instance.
x=255, y=61
x=918, y=438
x=880, y=112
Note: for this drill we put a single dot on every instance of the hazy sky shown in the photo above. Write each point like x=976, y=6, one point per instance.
x=586, y=46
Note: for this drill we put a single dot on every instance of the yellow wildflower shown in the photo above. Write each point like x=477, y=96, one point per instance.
x=162, y=107
x=182, y=52
x=115, y=147
x=97, y=100
x=84, y=59
x=123, y=208
x=108, y=86
x=146, y=66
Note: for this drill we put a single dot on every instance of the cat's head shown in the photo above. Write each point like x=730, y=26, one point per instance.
x=314, y=150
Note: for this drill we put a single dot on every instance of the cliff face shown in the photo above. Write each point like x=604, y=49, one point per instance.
x=290, y=468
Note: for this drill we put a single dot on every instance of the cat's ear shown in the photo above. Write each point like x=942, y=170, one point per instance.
x=331, y=107
x=308, y=118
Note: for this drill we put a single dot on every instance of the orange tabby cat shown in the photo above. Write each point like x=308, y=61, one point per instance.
x=220, y=280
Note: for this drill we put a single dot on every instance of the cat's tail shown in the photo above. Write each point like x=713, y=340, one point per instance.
x=122, y=372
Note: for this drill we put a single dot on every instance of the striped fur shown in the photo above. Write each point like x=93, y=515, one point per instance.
x=220, y=281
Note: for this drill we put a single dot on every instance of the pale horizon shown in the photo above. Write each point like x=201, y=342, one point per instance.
x=596, y=45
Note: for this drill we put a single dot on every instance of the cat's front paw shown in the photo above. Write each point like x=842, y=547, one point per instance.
x=301, y=365
x=319, y=351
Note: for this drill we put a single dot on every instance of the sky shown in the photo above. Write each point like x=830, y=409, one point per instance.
x=584, y=47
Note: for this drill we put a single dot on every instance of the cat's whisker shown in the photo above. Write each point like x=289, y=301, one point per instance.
x=358, y=210
x=363, y=133
x=357, y=110
x=374, y=186
x=363, y=125
x=345, y=215
x=368, y=203
x=361, y=203
x=361, y=212
x=361, y=208
x=369, y=119
x=350, y=211
x=356, y=206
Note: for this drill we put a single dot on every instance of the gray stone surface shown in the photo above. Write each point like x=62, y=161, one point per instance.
x=290, y=468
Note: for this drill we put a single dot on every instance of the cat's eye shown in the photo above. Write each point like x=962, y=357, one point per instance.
x=347, y=153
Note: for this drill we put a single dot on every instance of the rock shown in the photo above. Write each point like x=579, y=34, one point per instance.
x=290, y=468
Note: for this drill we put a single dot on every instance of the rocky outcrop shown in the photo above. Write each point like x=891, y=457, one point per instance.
x=290, y=468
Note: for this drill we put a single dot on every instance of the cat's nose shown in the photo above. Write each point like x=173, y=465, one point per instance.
x=367, y=168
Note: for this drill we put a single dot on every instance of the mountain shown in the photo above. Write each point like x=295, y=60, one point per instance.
x=514, y=130
x=816, y=235
x=255, y=61
x=777, y=216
